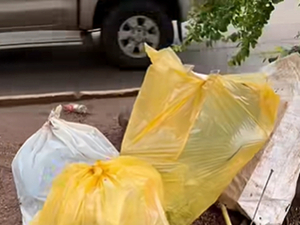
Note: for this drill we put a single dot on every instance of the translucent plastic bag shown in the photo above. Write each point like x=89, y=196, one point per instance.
x=197, y=133
x=122, y=191
x=47, y=152
x=280, y=155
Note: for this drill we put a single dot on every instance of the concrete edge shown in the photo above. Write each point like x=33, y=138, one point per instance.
x=47, y=98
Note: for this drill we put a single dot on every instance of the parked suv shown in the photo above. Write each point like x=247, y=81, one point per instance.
x=125, y=24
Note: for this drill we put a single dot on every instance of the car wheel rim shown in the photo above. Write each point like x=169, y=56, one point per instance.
x=134, y=32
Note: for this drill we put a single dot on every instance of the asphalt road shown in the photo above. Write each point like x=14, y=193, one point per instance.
x=56, y=69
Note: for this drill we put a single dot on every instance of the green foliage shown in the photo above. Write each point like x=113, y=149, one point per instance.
x=210, y=21
x=282, y=52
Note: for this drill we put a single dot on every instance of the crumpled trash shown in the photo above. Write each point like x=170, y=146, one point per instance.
x=44, y=155
x=75, y=108
x=198, y=133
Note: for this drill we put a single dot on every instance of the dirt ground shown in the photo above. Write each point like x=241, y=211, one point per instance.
x=18, y=123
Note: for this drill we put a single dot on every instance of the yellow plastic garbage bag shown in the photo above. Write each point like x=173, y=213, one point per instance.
x=122, y=191
x=198, y=133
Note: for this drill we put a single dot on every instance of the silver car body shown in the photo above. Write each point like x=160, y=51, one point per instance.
x=20, y=15
x=37, y=14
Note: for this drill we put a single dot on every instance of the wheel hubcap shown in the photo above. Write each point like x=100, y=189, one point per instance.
x=136, y=31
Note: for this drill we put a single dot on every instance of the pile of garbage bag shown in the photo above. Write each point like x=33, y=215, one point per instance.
x=46, y=153
x=187, y=138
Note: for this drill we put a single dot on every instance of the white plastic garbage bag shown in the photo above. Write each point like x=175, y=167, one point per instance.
x=46, y=153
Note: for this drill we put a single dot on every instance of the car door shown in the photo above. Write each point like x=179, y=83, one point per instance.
x=28, y=14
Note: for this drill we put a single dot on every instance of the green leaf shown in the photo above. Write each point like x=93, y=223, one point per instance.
x=277, y=1
x=279, y=49
x=233, y=37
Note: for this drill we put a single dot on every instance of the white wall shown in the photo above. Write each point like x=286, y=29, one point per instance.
x=281, y=31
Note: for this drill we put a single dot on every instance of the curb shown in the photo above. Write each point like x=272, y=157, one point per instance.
x=18, y=100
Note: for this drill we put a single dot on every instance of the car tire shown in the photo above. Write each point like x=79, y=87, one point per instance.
x=138, y=22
